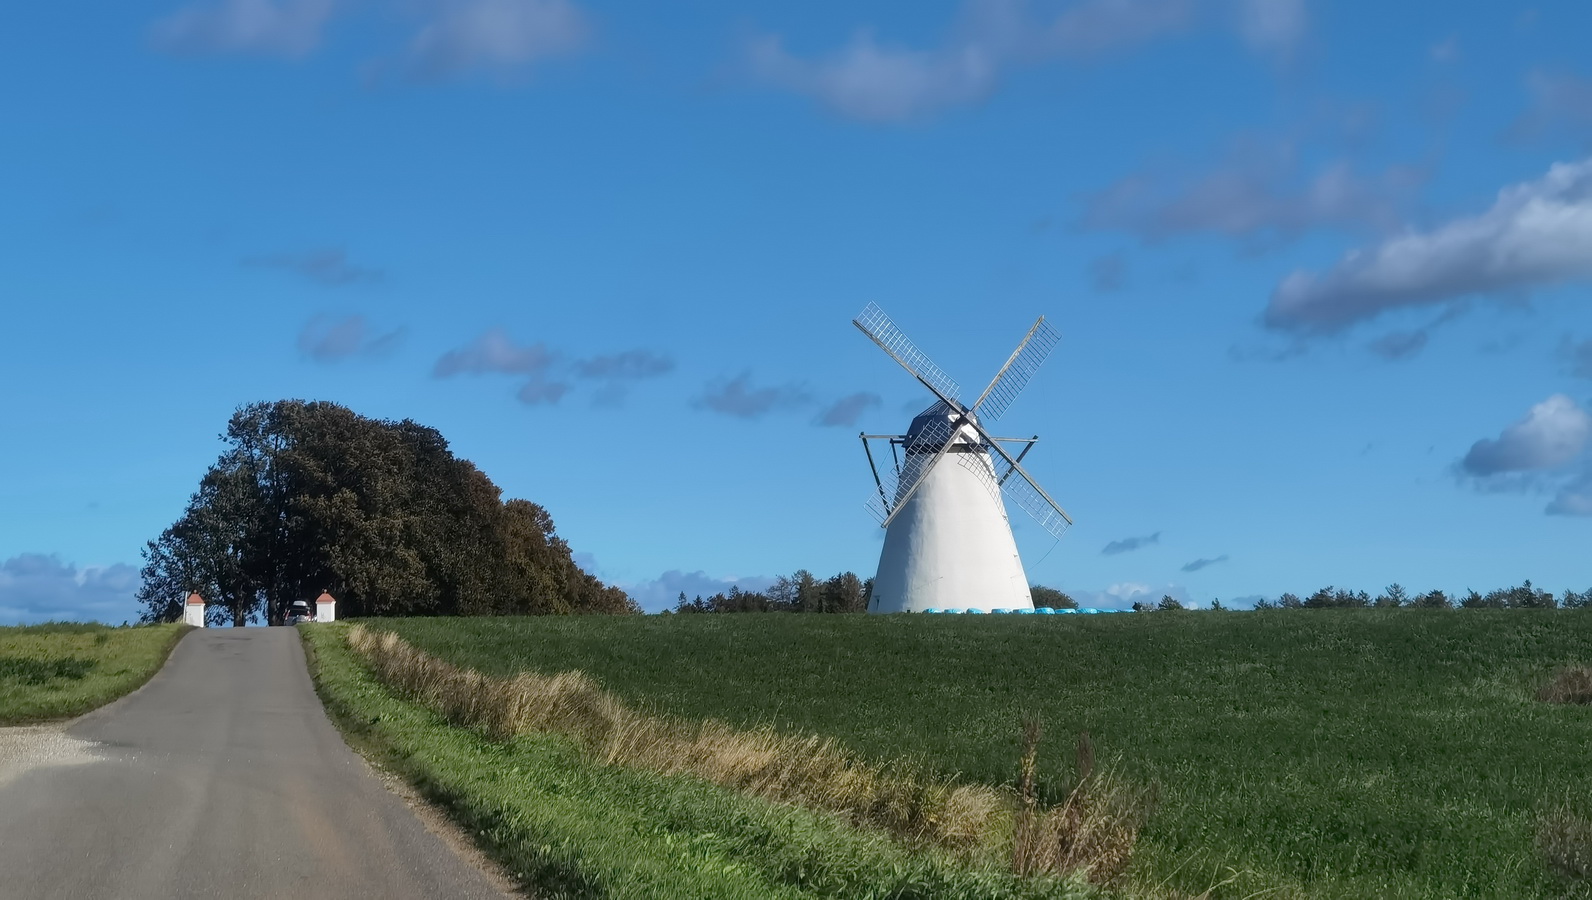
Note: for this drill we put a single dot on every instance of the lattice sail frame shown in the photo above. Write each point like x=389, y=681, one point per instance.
x=1013, y=377
x=875, y=324
x=920, y=456
x=994, y=468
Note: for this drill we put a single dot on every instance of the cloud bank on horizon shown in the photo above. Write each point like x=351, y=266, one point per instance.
x=38, y=587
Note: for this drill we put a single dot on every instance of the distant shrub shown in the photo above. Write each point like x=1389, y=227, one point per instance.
x=1168, y=603
x=1572, y=684
x=1049, y=596
x=1565, y=841
x=1330, y=597
x=1432, y=600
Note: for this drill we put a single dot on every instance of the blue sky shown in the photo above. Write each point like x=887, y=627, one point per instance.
x=1320, y=272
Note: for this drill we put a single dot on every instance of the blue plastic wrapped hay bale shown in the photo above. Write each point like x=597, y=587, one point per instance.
x=1025, y=612
x=974, y=611
x=1067, y=611
x=1002, y=611
x=933, y=609
x=1090, y=611
x=1045, y=611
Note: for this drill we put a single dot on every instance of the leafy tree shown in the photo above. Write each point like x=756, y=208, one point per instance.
x=1049, y=596
x=1392, y=596
x=1572, y=600
x=1290, y=601
x=310, y=496
x=1168, y=603
x=1330, y=597
x=1433, y=600
x=1527, y=597
x=1216, y=606
x=844, y=593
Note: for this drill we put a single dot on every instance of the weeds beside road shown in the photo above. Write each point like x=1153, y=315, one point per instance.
x=1318, y=754
x=569, y=825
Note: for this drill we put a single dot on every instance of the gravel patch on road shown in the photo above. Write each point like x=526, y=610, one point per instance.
x=29, y=746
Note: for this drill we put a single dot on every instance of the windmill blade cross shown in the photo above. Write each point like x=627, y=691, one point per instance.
x=1025, y=490
x=878, y=327
x=927, y=438
x=920, y=456
x=1020, y=366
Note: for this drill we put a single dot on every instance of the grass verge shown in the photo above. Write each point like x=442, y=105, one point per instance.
x=566, y=825
x=61, y=670
x=1312, y=754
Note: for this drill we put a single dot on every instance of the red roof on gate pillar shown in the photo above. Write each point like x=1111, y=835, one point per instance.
x=195, y=600
x=325, y=598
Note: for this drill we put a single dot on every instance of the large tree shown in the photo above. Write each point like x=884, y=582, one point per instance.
x=310, y=496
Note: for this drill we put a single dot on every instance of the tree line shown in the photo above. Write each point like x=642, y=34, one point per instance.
x=803, y=592
x=1522, y=596
x=311, y=496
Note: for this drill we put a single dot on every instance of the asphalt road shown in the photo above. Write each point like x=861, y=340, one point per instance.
x=222, y=777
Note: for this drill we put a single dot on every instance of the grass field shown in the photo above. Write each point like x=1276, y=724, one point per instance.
x=1332, y=753
x=61, y=670
x=566, y=826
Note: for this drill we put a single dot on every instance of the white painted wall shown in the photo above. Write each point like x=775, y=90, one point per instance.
x=193, y=614
x=951, y=546
x=326, y=610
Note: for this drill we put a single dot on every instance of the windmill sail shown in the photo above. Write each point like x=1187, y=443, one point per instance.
x=1021, y=366
x=876, y=325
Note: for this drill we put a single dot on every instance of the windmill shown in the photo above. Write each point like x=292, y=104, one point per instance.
x=948, y=544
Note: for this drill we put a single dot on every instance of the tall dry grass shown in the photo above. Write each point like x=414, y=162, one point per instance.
x=1090, y=834
x=1565, y=841
x=1571, y=684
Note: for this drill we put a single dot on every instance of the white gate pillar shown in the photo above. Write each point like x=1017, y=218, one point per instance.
x=193, y=611
x=325, y=608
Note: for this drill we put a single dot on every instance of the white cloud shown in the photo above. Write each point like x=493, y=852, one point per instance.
x=1551, y=435
x=878, y=82
x=737, y=397
x=35, y=587
x=848, y=409
x=1536, y=234
x=265, y=27
x=1129, y=544
x=328, y=266
x=1123, y=595
x=1573, y=499
x=327, y=339
x=1101, y=26
x=494, y=352
x=1251, y=194
x=495, y=35
x=1561, y=103
x=1272, y=26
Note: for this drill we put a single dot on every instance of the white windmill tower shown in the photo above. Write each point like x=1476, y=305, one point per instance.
x=948, y=544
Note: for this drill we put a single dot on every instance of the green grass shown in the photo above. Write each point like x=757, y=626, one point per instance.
x=568, y=827
x=1321, y=754
x=61, y=670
